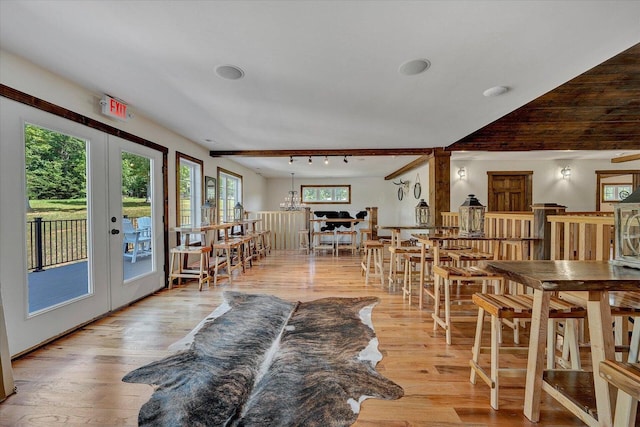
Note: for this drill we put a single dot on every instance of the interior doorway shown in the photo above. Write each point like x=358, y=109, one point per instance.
x=510, y=191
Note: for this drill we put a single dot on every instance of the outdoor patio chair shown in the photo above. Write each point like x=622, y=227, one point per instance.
x=139, y=241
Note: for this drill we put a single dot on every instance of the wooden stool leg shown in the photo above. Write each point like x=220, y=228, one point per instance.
x=171, y=267
x=229, y=258
x=495, y=351
x=381, y=265
x=436, y=299
x=447, y=310
x=477, y=343
x=366, y=277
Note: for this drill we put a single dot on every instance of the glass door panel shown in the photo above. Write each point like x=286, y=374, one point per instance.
x=56, y=218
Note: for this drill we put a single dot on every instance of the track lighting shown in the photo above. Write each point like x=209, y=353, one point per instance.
x=345, y=159
x=310, y=161
x=326, y=160
x=290, y=159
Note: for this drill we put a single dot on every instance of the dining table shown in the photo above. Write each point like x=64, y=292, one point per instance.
x=205, y=231
x=595, y=279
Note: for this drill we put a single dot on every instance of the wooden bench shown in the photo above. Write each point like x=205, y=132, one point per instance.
x=626, y=378
x=508, y=307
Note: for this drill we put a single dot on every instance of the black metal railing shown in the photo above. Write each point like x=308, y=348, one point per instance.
x=52, y=242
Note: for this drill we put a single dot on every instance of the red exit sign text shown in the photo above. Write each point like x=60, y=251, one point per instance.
x=113, y=108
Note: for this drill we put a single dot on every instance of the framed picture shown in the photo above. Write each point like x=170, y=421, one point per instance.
x=210, y=189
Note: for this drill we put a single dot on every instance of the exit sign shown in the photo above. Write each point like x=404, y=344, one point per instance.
x=113, y=108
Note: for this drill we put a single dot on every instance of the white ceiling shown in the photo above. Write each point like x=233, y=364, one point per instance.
x=320, y=74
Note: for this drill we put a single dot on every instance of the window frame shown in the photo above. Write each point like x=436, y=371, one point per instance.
x=223, y=175
x=326, y=202
x=617, y=188
x=197, y=184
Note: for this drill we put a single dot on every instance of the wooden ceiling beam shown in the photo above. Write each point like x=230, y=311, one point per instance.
x=408, y=167
x=627, y=158
x=326, y=152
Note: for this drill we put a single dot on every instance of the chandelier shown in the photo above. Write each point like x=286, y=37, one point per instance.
x=292, y=201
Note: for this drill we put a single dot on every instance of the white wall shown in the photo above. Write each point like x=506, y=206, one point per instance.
x=577, y=193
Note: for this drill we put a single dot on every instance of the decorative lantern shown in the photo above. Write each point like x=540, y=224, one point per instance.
x=423, y=215
x=238, y=212
x=627, y=229
x=471, y=214
x=207, y=212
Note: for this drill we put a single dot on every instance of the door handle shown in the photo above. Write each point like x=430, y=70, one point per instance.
x=115, y=231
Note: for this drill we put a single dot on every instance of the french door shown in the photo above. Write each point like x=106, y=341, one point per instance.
x=73, y=264
x=135, y=246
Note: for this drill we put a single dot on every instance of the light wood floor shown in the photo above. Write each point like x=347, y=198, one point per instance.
x=76, y=380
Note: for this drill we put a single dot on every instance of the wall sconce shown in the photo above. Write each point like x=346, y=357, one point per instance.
x=566, y=172
x=462, y=173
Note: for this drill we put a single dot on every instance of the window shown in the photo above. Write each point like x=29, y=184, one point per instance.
x=338, y=194
x=189, y=173
x=615, y=192
x=229, y=194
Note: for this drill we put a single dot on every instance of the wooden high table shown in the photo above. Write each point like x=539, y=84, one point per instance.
x=437, y=242
x=204, y=230
x=595, y=278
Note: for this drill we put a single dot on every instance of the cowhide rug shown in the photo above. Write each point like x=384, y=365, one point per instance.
x=261, y=361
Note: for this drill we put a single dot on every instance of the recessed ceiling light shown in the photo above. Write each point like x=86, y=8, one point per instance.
x=230, y=72
x=495, y=91
x=415, y=66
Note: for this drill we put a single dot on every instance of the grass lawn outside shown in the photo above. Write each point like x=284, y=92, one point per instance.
x=51, y=210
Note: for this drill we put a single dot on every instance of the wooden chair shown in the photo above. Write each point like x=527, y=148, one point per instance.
x=512, y=307
x=199, y=272
x=626, y=378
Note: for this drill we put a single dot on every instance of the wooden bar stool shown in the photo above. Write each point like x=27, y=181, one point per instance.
x=626, y=378
x=444, y=276
x=397, y=259
x=181, y=255
x=303, y=239
x=224, y=253
x=365, y=234
x=373, y=248
x=266, y=241
x=349, y=244
x=411, y=263
x=512, y=307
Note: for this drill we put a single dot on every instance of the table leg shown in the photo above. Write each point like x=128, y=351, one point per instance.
x=535, y=362
x=602, y=347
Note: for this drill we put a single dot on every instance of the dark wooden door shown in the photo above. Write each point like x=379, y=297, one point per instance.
x=509, y=191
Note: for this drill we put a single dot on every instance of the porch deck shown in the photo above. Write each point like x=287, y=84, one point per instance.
x=57, y=284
